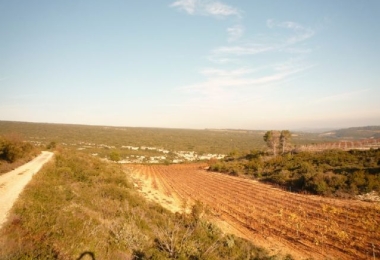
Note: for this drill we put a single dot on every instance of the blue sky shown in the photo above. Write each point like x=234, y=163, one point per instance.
x=191, y=63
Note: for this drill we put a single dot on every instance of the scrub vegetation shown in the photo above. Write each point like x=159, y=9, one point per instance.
x=15, y=152
x=327, y=172
x=330, y=172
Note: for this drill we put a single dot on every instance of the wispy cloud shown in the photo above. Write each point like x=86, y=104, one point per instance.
x=219, y=9
x=242, y=77
x=222, y=60
x=301, y=33
x=284, y=41
x=213, y=72
x=249, y=49
x=186, y=5
x=235, y=33
x=292, y=64
x=235, y=88
x=297, y=50
x=341, y=96
x=239, y=82
x=206, y=7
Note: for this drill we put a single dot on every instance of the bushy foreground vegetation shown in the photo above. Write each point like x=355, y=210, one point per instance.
x=14, y=152
x=332, y=172
x=78, y=205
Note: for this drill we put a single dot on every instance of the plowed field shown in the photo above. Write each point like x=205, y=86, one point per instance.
x=305, y=225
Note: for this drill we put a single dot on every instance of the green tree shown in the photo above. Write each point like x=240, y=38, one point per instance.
x=115, y=156
x=272, y=138
x=285, y=137
x=51, y=145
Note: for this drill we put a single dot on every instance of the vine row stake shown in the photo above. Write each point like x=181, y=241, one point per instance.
x=373, y=251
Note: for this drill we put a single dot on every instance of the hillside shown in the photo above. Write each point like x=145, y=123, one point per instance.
x=364, y=132
x=200, y=141
x=80, y=206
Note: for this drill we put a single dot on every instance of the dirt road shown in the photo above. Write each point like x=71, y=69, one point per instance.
x=13, y=182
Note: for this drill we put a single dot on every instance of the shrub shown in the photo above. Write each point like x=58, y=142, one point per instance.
x=14, y=152
x=114, y=156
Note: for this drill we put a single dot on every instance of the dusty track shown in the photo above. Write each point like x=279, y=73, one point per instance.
x=13, y=182
x=304, y=225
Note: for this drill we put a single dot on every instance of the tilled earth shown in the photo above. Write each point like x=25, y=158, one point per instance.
x=303, y=225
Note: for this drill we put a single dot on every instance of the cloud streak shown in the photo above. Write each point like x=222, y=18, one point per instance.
x=301, y=33
x=206, y=8
x=212, y=72
x=234, y=89
x=341, y=96
x=242, y=77
x=235, y=33
x=287, y=43
x=240, y=50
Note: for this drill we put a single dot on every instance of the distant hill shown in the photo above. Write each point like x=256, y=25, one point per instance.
x=313, y=130
x=353, y=133
x=212, y=141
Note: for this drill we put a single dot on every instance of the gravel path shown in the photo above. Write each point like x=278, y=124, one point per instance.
x=13, y=182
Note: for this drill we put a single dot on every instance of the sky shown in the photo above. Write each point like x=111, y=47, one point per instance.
x=243, y=64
